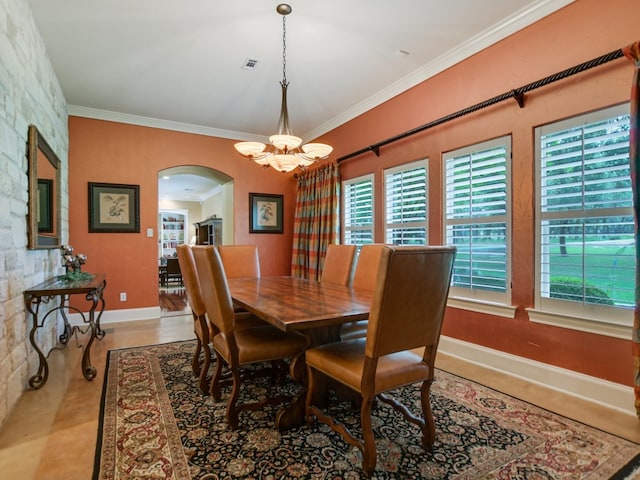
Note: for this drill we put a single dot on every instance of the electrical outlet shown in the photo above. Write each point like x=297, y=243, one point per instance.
x=123, y=296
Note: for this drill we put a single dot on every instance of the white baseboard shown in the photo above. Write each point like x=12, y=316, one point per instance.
x=603, y=392
x=122, y=315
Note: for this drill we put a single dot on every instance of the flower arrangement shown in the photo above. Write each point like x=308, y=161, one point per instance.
x=73, y=265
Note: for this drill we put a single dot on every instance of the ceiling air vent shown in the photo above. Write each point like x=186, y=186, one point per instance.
x=249, y=64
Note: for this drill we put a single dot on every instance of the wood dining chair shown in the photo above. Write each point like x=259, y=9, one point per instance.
x=173, y=272
x=366, y=269
x=201, y=325
x=240, y=261
x=238, y=348
x=364, y=278
x=203, y=329
x=338, y=264
x=407, y=310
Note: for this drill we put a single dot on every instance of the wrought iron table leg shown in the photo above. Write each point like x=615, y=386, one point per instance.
x=89, y=370
x=68, y=330
x=100, y=333
x=40, y=378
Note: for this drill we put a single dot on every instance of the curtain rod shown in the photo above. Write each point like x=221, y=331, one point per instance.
x=517, y=94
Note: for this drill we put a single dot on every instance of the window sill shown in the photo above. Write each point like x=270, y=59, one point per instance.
x=581, y=324
x=491, y=308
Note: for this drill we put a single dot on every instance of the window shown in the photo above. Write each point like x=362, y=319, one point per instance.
x=477, y=220
x=406, y=204
x=585, y=248
x=358, y=210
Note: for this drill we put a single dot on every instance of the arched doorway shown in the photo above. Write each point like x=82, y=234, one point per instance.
x=187, y=195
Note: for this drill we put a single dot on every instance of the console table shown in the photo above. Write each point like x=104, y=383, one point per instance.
x=55, y=294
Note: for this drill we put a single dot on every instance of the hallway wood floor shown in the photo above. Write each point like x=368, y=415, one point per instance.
x=51, y=433
x=172, y=301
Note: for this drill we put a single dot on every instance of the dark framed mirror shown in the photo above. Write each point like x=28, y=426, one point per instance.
x=43, y=215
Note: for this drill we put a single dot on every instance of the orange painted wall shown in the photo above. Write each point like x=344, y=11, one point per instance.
x=109, y=152
x=580, y=32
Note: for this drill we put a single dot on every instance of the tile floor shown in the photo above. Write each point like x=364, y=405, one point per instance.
x=51, y=433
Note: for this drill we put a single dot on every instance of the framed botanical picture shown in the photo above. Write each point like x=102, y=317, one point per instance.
x=114, y=208
x=265, y=213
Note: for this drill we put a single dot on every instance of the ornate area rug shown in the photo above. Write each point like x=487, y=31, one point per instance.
x=155, y=424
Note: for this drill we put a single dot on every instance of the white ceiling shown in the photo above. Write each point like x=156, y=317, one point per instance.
x=178, y=64
x=187, y=187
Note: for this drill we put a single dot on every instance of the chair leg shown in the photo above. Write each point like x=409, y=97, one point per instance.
x=232, y=410
x=369, y=443
x=429, y=427
x=195, y=363
x=215, y=380
x=204, y=370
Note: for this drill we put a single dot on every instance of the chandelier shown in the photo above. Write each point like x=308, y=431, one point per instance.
x=286, y=151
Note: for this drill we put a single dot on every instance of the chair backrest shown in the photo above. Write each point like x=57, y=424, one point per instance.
x=409, y=299
x=240, y=260
x=364, y=276
x=173, y=266
x=214, y=287
x=190, y=279
x=338, y=263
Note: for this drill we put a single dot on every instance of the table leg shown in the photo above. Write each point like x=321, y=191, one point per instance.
x=89, y=370
x=100, y=333
x=292, y=415
x=94, y=297
x=68, y=330
x=40, y=378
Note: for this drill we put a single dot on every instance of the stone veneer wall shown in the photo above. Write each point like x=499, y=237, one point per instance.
x=29, y=94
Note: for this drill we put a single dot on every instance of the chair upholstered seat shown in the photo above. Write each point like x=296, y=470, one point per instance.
x=344, y=361
x=351, y=330
x=260, y=344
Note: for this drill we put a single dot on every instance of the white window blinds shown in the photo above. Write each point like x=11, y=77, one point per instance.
x=406, y=204
x=586, y=230
x=477, y=218
x=358, y=210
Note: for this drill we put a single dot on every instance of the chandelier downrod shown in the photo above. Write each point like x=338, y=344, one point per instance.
x=283, y=122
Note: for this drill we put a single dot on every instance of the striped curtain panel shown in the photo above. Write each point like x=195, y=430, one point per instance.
x=316, y=220
x=632, y=52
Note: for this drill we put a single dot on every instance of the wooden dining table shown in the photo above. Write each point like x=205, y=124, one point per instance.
x=314, y=309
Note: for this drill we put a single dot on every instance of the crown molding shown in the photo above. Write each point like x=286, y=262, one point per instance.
x=511, y=25
x=110, y=116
